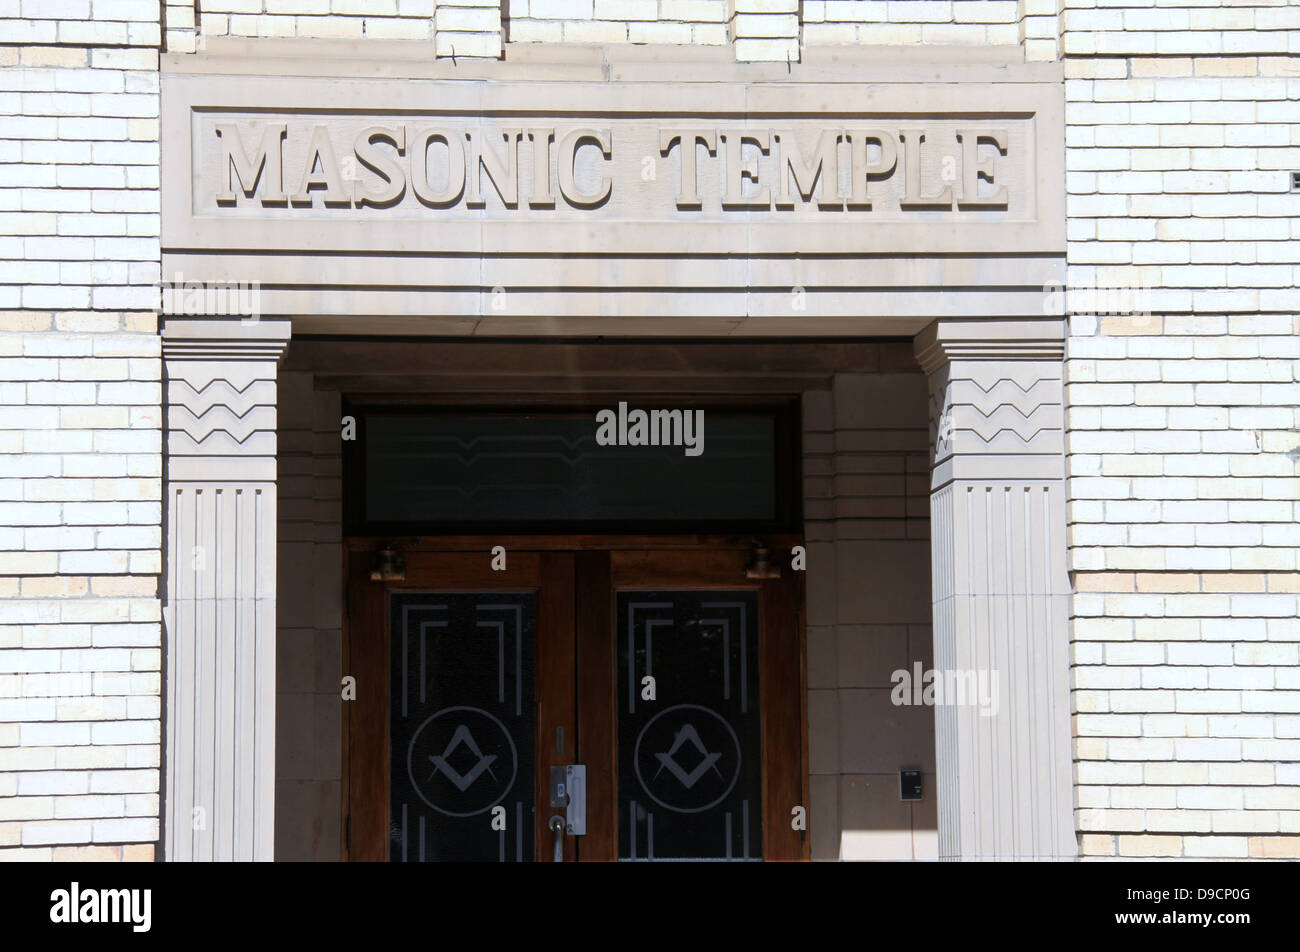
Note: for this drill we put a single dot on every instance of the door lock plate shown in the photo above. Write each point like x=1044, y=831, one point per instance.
x=559, y=787
x=569, y=790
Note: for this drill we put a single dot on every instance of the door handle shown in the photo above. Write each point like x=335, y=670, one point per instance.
x=557, y=826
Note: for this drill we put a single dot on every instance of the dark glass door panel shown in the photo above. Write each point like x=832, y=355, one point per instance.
x=463, y=726
x=689, y=761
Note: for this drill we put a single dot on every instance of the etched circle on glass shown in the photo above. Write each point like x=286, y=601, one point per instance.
x=462, y=761
x=687, y=758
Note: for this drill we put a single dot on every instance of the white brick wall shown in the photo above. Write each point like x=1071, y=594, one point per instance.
x=79, y=23
x=80, y=431
x=457, y=27
x=757, y=30
x=699, y=22
x=1182, y=129
x=915, y=22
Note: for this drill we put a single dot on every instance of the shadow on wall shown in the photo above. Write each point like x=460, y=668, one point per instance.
x=309, y=616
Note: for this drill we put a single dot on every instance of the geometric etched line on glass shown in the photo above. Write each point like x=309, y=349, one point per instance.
x=744, y=832
x=518, y=636
x=650, y=625
x=424, y=627
x=635, y=811
x=741, y=607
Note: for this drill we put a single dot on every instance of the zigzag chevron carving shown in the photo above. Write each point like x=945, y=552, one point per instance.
x=239, y=431
x=987, y=379
x=222, y=443
x=1006, y=393
x=1011, y=420
x=996, y=407
x=221, y=392
x=217, y=417
x=182, y=382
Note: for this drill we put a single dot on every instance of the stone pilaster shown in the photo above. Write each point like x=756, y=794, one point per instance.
x=1001, y=587
x=219, y=614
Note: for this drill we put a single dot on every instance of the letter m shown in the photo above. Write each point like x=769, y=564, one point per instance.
x=265, y=168
x=822, y=171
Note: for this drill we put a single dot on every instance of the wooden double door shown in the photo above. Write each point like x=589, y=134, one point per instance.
x=661, y=668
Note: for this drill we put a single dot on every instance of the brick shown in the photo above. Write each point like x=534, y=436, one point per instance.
x=1139, y=846
x=36, y=834
x=702, y=11
x=1167, y=582
x=1274, y=847
x=125, y=830
x=561, y=9
x=87, y=854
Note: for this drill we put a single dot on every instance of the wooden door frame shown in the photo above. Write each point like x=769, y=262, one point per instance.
x=591, y=574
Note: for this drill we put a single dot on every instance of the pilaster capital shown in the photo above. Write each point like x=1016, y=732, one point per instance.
x=948, y=340
x=236, y=339
x=221, y=398
x=997, y=398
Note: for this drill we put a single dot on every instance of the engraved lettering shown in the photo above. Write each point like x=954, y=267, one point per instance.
x=500, y=171
x=912, y=198
x=972, y=170
x=808, y=176
x=864, y=171
x=321, y=153
x=455, y=186
x=541, y=195
x=568, y=154
x=382, y=164
x=738, y=170
x=250, y=170
x=688, y=196
x=353, y=163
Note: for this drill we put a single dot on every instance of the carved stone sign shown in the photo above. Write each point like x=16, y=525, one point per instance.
x=419, y=198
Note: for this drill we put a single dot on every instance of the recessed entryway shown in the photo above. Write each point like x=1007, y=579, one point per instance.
x=857, y=467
